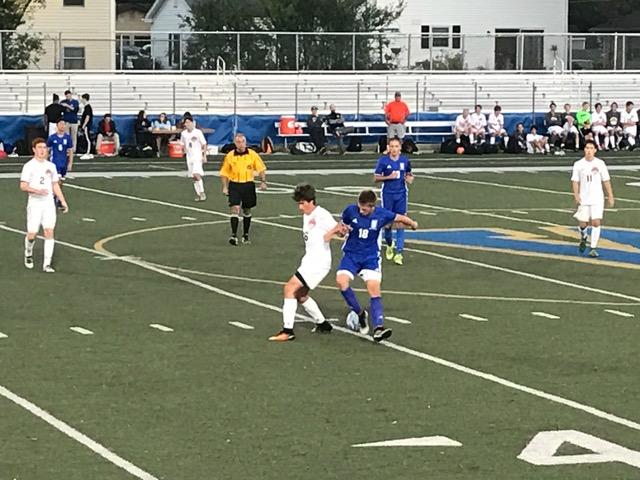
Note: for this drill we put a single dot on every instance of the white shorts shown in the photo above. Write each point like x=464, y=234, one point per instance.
x=497, y=132
x=555, y=130
x=41, y=213
x=195, y=168
x=365, y=275
x=589, y=212
x=633, y=131
x=312, y=275
x=599, y=129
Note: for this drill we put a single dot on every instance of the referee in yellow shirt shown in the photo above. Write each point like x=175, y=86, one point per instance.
x=238, y=170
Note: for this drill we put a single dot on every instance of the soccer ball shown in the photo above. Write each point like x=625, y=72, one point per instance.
x=353, y=322
x=460, y=150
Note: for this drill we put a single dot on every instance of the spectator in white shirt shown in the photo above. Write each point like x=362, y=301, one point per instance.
x=571, y=132
x=478, y=125
x=496, y=126
x=599, y=127
x=462, y=127
x=536, y=143
x=629, y=120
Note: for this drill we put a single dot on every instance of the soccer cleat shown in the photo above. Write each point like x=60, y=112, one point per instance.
x=593, y=253
x=282, y=336
x=583, y=244
x=201, y=197
x=48, y=269
x=381, y=333
x=389, y=251
x=233, y=240
x=28, y=261
x=363, y=320
x=86, y=156
x=322, y=327
x=245, y=239
x=398, y=259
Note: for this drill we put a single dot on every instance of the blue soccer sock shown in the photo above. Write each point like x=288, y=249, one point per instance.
x=377, y=315
x=388, y=236
x=400, y=240
x=350, y=297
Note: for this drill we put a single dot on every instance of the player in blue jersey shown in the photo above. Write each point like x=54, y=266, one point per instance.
x=61, y=152
x=364, y=223
x=394, y=172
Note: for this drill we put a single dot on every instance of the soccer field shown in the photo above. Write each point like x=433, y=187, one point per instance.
x=146, y=354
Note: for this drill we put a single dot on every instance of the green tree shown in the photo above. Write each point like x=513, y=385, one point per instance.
x=19, y=50
x=323, y=49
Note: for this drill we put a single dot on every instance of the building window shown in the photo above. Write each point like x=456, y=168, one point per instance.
x=174, y=49
x=424, y=38
x=73, y=3
x=455, y=36
x=440, y=37
x=73, y=58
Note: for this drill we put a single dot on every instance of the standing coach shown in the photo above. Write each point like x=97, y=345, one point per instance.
x=239, y=168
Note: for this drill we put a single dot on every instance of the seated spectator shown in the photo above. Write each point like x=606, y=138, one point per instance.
x=583, y=115
x=570, y=133
x=462, y=127
x=478, y=125
x=496, y=126
x=552, y=121
x=629, y=120
x=614, y=127
x=536, y=143
x=337, y=128
x=315, y=130
x=586, y=132
x=162, y=123
x=107, y=132
x=566, y=113
x=142, y=129
x=517, y=140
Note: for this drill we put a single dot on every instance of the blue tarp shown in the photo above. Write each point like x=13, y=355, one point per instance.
x=255, y=127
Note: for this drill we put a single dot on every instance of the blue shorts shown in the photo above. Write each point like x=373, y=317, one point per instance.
x=62, y=170
x=396, y=202
x=355, y=266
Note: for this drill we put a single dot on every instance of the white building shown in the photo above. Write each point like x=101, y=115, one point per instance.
x=168, y=16
x=491, y=34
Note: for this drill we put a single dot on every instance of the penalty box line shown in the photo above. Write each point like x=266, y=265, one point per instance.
x=409, y=351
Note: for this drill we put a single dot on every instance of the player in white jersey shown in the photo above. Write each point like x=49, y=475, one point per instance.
x=462, y=127
x=629, y=120
x=478, y=125
x=599, y=127
x=195, y=146
x=496, y=126
x=318, y=228
x=39, y=179
x=588, y=177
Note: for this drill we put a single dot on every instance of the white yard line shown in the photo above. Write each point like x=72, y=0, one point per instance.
x=138, y=219
x=162, y=328
x=3, y=335
x=241, y=325
x=397, y=320
x=81, y=438
x=545, y=315
x=409, y=351
x=620, y=314
x=473, y=317
x=193, y=219
x=81, y=331
x=87, y=219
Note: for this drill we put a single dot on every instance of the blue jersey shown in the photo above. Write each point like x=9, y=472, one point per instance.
x=59, y=147
x=70, y=116
x=386, y=166
x=363, y=239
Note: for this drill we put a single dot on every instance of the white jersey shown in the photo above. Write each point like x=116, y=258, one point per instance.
x=462, y=123
x=40, y=175
x=590, y=175
x=496, y=122
x=478, y=120
x=628, y=117
x=193, y=143
x=598, y=119
x=317, y=252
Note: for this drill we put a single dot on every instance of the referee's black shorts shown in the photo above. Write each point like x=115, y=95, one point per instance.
x=242, y=194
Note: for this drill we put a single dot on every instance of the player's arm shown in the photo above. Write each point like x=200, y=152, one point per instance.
x=261, y=168
x=204, y=147
x=58, y=193
x=408, y=174
x=576, y=191
x=401, y=221
x=340, y=229
x=69, y=159
x=610, y=199
x=25, y=187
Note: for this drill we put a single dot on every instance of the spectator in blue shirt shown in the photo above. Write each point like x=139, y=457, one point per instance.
x=70, y=116
x=61, y=153
x=162, y=123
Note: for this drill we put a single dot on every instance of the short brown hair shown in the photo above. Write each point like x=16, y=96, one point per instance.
x=367, y=197
x=304, y=192
x=36, y=141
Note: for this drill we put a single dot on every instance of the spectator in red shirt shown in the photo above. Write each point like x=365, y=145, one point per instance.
x=395, y=115
x=107, y=132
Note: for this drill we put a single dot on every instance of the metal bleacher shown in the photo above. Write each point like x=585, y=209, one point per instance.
x=295, y=93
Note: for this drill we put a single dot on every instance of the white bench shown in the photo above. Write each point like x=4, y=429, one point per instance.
x=377, y=129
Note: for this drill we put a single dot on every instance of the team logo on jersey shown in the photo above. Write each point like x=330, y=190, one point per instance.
x=618, y=247
x=374, y=224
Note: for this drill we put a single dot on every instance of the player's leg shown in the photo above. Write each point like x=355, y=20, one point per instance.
x=386, y=199
x=373, y=279
x=310, y=279
x=249, y=200
x=34, y=220
x=346, y=272
x=289, y=307
x=582, y=216
x=400, y=207
x=48, y=225
x=596, y=228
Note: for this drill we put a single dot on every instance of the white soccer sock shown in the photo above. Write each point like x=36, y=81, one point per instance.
x=632, y=140
x=311, y=307
x=201, y=185
x=583, y=232
x=28, y=246
x=471, y=137
x=48, y=251
x=492, y=141
x=595, y=236
x=458, y=140
x=196, y=187
x=612, y=141
x=289, y=308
